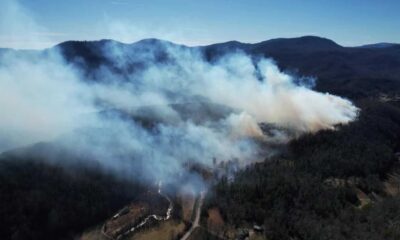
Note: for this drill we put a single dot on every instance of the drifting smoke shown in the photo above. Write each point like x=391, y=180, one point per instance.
x=186, y=109
x=19, y=30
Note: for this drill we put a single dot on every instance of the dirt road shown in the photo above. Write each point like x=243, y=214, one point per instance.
x=196, y=221
x=144, y=222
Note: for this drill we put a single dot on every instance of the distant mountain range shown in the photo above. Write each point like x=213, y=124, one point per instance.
x=350, y=71
x=379, y=45
x=315, y=188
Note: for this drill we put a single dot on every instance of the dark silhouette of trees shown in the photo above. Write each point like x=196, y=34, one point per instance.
x=294, y=195
x=45, y=201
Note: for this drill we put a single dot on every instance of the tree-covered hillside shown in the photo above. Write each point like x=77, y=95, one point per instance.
x=313, y=190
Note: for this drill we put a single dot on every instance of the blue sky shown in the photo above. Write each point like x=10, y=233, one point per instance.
x=196, y=22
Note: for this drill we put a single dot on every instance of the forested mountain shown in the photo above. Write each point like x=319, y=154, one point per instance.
x=43, y=198
x=309, y=191
x=347, y=71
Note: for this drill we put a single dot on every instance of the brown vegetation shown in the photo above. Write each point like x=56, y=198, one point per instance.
x=215, y=223
x=187, y=201
x=164, y=231
x=392, y=184
x=118, y=225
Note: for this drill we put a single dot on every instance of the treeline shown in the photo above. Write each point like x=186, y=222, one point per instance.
x=292, y=195
x=48, y=201
x=363, y=148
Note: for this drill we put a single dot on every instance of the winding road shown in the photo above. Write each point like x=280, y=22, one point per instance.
x=196, y=222
x=142, y=223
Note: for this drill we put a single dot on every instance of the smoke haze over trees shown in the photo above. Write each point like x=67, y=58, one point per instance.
x=91, y=120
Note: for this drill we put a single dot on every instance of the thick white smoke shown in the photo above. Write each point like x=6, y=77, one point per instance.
x=19, y=30
x=190, y=110
x=39, y=99
x=43, y=97
x=259, y=89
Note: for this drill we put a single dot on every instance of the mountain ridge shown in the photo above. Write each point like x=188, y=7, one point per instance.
x=301, y=39
x=352, y=72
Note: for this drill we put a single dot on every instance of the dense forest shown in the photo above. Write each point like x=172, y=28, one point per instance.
x=53, y=201
x=293, y=196
x=309, y=191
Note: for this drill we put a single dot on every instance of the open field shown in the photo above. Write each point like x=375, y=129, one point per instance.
x=187, y=201
x=164, y=231
x=125, y=220
x=93, y=234
x=257, y=236
x=392, y=185
x=215, y=223
x=200, y=234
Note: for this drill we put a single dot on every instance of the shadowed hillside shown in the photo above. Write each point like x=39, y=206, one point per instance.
x=354, y=72
x=311, y=190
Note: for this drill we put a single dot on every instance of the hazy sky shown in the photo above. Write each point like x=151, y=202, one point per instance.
x=196, y=22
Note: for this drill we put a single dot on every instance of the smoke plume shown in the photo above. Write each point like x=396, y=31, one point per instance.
x=174, y=110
